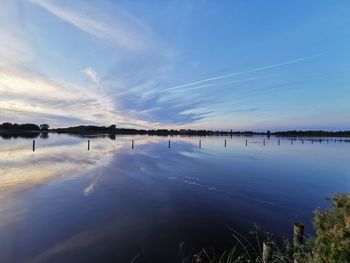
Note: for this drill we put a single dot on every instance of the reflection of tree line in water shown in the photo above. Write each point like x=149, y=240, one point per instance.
x=8, y=135
x=45, y=135
x=24, y=135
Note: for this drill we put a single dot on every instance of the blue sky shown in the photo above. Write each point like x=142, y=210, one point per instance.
x=176, y=64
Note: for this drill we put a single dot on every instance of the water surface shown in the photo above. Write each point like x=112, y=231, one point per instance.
x=112, y=203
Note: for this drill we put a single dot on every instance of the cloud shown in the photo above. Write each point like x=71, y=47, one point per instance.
x=136, y=92
x=243, y=72
x=35, y=95
x=198, y=102
x=146, y=101
x=14, y=49
x=246, y=110
x=92, y=74
x=90, y=189
x=121, y=29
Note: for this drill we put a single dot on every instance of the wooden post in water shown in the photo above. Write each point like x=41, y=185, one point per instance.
x=302, y=141
x=291, y=141
x=200, y=143
x=267, y=251
x=33, y=145
x=298, y=236
x=246, y=142
x=88, y=145
x=225, y=143
x=279, y=142
x=132, y=144
x=312, y=141
x=169, y=144
x=264, y=142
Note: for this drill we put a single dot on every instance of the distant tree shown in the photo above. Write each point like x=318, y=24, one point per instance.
x=44, y=127
x=268, y=133
x=6, y=125
x=112, y=127
x=29, y=127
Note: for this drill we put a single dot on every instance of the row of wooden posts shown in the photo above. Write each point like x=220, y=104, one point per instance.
x=132, y=144
x=298, y=239
x=225, y=143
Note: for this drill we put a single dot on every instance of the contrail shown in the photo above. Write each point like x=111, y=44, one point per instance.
x=212, y=85
x=243, y=72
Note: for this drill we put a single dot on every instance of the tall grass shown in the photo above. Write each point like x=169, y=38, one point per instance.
x=331, y=244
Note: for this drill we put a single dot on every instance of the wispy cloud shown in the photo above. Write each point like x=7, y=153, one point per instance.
x=230, y=75
x=139, y=89
x=122, y=29
x=14, y=50
x=92, y=74
x=24, y=91
x=27, y=95
x=194, y=102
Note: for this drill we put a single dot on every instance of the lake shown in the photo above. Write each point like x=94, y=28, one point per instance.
x=155, y=203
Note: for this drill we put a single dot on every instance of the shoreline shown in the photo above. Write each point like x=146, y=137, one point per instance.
x=106, y=131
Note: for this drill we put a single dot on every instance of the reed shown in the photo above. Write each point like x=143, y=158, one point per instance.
x=330, y=244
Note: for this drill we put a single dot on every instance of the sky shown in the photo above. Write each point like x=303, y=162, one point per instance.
x=241, y=65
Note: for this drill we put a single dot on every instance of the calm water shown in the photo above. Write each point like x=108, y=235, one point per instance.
x=63, y=203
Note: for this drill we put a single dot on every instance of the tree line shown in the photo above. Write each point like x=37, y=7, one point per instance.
x=24, y=127
x=112, y=129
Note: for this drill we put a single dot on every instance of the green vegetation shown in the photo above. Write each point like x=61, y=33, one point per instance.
x=332, y=242
x=330, y=245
